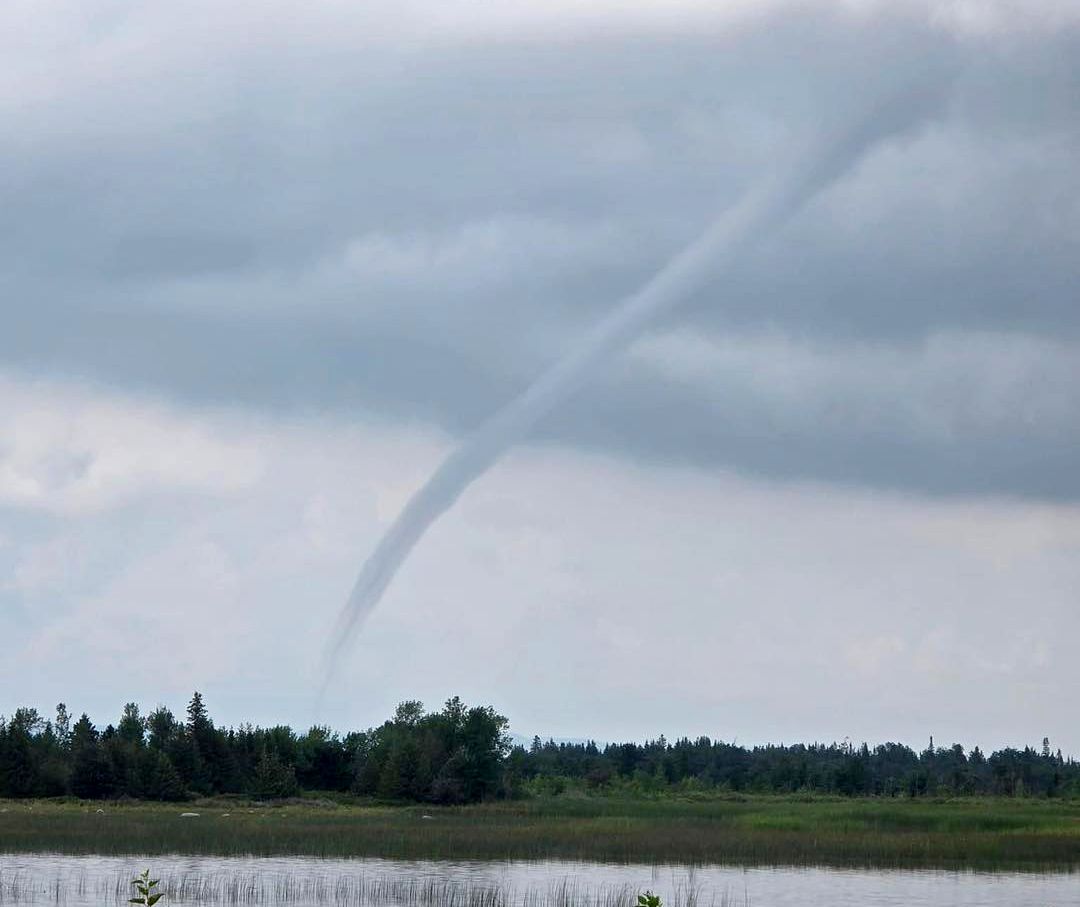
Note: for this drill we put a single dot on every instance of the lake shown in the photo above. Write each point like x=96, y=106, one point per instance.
x=89, y=881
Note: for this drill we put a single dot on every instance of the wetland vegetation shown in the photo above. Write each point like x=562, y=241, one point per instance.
x=1023, y=834
x=340, y=884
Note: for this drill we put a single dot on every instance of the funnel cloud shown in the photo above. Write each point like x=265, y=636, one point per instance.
x=757, y=214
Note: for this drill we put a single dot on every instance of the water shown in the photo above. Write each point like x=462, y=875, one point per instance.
x=304, y=882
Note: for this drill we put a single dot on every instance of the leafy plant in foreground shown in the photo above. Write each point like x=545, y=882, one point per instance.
x=648, y=899
x=145, y=886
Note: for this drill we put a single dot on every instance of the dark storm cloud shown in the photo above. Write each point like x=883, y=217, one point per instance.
x=417, y=231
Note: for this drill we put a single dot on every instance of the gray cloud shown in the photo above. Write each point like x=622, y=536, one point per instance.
x=414, y=228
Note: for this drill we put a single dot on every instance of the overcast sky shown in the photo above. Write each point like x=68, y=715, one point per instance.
x=262, y=265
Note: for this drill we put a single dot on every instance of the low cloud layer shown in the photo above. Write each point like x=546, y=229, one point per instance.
x=410, y=214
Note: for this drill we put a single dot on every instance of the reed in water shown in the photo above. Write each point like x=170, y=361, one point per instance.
x=228, y=888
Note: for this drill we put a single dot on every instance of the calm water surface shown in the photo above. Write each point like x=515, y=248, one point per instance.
x=305, y=882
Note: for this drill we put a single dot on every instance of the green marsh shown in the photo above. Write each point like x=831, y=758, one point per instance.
x=761, y=831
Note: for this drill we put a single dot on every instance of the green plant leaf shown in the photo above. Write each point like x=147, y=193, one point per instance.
x=153, y=899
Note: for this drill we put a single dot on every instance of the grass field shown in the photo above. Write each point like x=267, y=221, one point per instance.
x=984, y=834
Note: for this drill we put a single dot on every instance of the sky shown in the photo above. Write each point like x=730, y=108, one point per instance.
x=262, y=266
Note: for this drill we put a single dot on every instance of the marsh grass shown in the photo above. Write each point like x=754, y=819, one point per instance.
x=752, y=831
x=224, y=888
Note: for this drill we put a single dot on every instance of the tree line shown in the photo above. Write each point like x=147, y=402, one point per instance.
x=455, y=755
x=886, y=770
x=463, y=754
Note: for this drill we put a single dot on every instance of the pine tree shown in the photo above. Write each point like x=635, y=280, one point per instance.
x=91, y=777
x=132, y=727
x=158, y=777
x=198, y=720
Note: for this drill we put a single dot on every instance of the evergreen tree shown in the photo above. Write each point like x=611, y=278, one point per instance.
x=198, y=721
x=132, y=727
x=91, y=777
x=158, y=778
x=20, y=768
x=163, y=728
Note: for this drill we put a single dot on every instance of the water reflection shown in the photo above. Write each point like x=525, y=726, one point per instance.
x=87, y=881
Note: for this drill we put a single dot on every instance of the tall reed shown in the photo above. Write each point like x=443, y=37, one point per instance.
x=225, y=888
